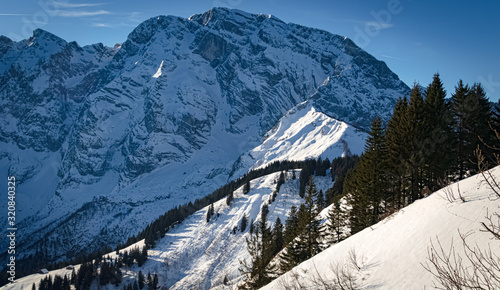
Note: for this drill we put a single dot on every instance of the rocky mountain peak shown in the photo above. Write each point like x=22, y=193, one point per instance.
x=180, y=97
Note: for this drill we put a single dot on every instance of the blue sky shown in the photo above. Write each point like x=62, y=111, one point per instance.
x=416, y=38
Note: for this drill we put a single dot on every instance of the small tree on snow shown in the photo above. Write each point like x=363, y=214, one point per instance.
x=210, y=212
x=243, y=223
x=334, y=227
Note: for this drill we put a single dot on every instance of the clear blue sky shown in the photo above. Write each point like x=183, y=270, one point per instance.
x=416, y=38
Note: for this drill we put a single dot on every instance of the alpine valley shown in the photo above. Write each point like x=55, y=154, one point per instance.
x=104, y=140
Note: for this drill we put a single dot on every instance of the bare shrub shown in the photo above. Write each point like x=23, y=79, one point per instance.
x=472, y=268
x=450, y=193
x=356, y=261
x=341, y=276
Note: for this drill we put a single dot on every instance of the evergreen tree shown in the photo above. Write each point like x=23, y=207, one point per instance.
x=140, y=280
x=359, y=214
x=252, y=226
x=461, y=110
x=229, y=198
x=142, y=256
x=374, y=175
x=366, y=185
x=438, y=124
x=495, y=126
x=261, y=249
x=311, y=229
x=415, y=123
x=306, y=243
x=210, y=212
x=398, y=142
x=483, y=119
x=321, y=200
x=104, y=275
x=33, y=287
x=149, y=281
x=278, y=236
x=246, y=187
x=291, y=226
x=155, y=281
x=136, y=286
x=243, y=223
x=334, y=227
x=472, y=120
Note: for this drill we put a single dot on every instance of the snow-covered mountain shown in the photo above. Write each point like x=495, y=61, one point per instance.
x=391, y=254
x=103, y=140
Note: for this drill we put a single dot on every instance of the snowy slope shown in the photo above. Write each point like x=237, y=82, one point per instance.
x=391, y=252
x=305, y=133
x=198, y=255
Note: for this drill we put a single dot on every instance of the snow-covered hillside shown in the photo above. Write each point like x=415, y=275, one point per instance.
x=304, y=133
x=391, y=253
x=199, y=255
x=104, y=140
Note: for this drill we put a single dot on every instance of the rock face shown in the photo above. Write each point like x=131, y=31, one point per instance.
x=103, y=140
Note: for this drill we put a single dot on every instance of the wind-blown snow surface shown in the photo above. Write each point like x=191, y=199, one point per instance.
x=392, y=251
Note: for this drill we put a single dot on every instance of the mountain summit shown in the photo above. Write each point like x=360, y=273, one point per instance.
x=103, y=140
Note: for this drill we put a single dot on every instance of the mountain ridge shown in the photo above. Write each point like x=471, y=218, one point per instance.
x=177, y=99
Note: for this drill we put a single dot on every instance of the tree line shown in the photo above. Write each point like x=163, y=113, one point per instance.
x=103, y=271
x=156, y=229
x=429, y=142
x=276, y=249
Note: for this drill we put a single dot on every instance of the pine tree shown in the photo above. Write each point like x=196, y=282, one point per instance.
x=461, y=111
x=334, y=227
x=415, y=123
x=229, y=198
x=140, y=280
x=210, y=212
x=246, y=187
x=472, y=120
x=149, y=281
x=374, y=175
x=306, y=243
x=359, y=214
x=483, y=118
x=278, y=236
x=311, y=231
x=261, y=249
x=243, y=223
x=398, y=142
x=289, y=257
x=252, y=227
x=439, y=131
x=155, y=281
x=104, y=275
x=366, y=185
x=291, y=226
x=495, y=126
x=33, y=287
x=321, y=200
